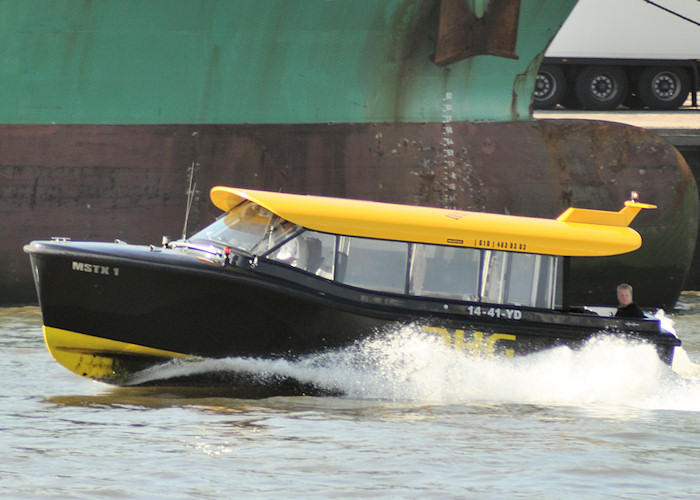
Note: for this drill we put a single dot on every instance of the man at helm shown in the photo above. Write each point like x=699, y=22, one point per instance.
x=627, y=307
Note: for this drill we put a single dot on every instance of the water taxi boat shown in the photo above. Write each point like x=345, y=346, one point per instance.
x=284, y=275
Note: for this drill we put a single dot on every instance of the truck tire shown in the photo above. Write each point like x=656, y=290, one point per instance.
x=663, y=87
x=550, y=86
x=601, y=87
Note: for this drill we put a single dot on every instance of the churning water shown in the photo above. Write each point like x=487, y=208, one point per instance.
x=415, y=420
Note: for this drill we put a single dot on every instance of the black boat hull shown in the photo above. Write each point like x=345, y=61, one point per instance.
x=111, y=311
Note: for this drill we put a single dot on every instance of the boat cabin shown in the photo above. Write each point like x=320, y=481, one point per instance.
x=401, y=267
x=417, y=251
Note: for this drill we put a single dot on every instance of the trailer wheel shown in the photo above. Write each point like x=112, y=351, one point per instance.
x=550, y=86
x=601, y=87
x=663, y=87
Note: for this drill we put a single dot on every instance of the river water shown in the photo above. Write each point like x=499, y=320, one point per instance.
x=609, y=421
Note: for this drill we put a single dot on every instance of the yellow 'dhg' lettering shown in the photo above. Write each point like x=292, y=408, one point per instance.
x=479, y=345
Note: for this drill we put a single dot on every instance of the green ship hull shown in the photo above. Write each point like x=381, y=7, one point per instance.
x=106, y=107
x=268, y=61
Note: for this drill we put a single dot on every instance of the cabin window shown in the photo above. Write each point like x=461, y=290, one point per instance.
x=248, y=227
x=485, y=275
x=493, y=276
x=372, y=264
x=522, y=280
x=442, y=271
x=519, y=279
x=549, y=283
x=309, y=251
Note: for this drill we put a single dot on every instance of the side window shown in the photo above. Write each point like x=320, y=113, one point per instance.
x=493, y=274
x=549, y=283
x=435, y=270
x=442, y=271
x=309, y=251
x=520, y=279
x=372, y=264
x=532, y=280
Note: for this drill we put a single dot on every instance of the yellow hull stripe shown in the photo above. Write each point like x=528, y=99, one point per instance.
x=95, y=357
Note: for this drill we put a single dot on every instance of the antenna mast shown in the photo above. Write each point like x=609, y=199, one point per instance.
x=190, y=197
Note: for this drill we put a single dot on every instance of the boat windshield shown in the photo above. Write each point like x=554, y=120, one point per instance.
x=248, y=227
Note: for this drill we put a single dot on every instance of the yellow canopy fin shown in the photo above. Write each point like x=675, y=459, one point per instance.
x=623, y=218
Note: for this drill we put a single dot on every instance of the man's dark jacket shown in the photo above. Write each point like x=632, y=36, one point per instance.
x=630, y=311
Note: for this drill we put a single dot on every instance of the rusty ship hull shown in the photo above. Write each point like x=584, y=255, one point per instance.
x=134, y=187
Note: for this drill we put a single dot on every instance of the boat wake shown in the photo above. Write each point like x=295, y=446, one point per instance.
x=407, y=365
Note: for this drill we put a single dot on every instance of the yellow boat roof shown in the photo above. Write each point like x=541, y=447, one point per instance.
x=576, y=232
